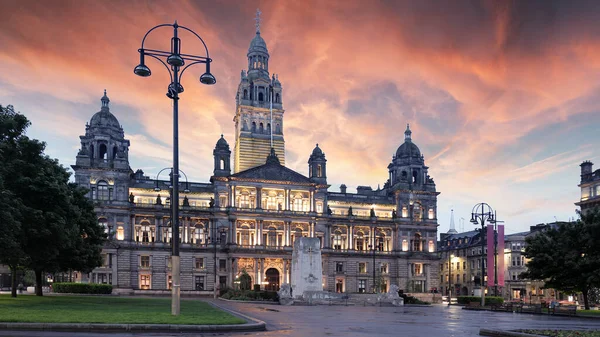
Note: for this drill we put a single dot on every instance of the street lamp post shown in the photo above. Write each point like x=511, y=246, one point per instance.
x=374, y=281
x=449, y=294
x=176, y=60
x=481, y=213
x=495, y=221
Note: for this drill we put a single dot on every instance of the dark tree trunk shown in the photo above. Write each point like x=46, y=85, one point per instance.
x=38, y=283
x=586, y=301
x=13, y=284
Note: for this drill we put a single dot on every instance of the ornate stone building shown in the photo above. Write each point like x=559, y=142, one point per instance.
x=590, y=187
x=248, y=219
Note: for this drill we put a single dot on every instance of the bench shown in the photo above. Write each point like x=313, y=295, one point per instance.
x=565, y=310
x=507, y=306
x=531, y=308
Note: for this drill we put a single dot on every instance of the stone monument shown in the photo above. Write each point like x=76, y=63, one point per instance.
x=307, y=270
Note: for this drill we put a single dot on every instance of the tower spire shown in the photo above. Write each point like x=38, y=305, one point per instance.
x=407, y=133
x=452, y=229
x=258, y=13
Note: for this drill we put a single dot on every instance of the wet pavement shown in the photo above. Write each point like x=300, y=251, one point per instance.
x=348, y=321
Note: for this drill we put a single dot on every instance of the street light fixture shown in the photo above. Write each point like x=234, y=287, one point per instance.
x=176, y=60
x=187, y=184
x=372, y=247
x=450, y=261
x=481, y=213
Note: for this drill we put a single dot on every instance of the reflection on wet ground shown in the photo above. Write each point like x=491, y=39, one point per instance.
x=350, y=321
x=436, y=320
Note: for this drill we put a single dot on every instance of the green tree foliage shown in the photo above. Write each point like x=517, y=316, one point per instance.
x=55, y=227
x=567, y=257
x=245, y=280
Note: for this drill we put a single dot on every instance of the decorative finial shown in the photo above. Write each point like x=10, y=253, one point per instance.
x=407, y=133
x=221, y=135
x=105, y=100
x=258, y=13
x=317, y=144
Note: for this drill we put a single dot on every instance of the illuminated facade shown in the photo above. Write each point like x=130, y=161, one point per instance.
x=590, y=187
x=248, y=219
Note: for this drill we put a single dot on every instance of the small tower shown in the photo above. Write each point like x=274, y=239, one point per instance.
x=222, y=155
x=586, y=170
x=452, y=230
x=102, y=164
x=317, y=166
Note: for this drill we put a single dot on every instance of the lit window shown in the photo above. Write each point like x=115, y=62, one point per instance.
x=404, y=245
x=102, y=192
x=199, y=261
x=145, y=261
x=145, y=282
x=120, y=233
x=362, y=286
x=362, y=267
x=431, y=217
x=431, y=246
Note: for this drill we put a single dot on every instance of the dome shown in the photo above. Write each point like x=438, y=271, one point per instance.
x=222, y=143
x=103, y=117
x=408, y=149
x=317, y=154
x=258, y=44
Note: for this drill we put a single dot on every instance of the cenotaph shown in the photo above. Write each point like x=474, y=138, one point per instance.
x=307, y=270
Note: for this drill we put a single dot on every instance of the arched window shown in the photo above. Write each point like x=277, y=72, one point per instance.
x=245, y=125
x=145, y=232
x=337, y=239
x=244, y=236
x=431, y=246
x=269, y=128
x=103, y=192
x=103, y=151
x=261, y=128
x=261, y=97
x=221, y=164
x=360, y=241
x=92, y=151
x=245, y=93
x=104, y=224
x=404, y=175
x=319, y=171
x=405, y=245
x=115, y=150
x=272, y=237
x=417, y=243
x=277, y=98
x=199, y=234
x=431, y=215
x=415, y=175
x=381, y=242
x=253, y=126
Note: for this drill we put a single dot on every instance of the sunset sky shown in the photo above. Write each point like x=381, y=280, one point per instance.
x=503, y=97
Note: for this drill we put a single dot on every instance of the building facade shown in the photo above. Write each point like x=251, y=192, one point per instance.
x=590, y=187
x=247, y=220
x=460, y=266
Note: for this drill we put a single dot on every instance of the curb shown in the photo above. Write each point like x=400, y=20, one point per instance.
x=253, y=302
x=252, y=324
x=503, y=333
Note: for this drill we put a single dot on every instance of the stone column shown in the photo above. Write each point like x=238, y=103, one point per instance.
x=259, y=197
x=262, y=272
x=232, y=232
x=233, y=197
x=426, y=268
x=256, y=271
x=259, y=231
x=350, y=237
x=327, y=236
x=285, y=268
x=288, y=229
x=287, y=199
x=312, y=201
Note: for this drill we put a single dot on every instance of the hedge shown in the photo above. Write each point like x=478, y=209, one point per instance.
x=82, y=288
x=250, y=295
x=489, y=300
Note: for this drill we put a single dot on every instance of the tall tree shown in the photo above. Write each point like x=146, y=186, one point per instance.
x=86, y=235
x=52, y=225
x=566, y=257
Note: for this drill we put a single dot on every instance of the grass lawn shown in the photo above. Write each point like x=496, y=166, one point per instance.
x=589, y=312
x=108, y=309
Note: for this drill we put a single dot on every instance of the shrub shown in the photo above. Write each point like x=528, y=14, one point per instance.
x=245, y=280
x=257, y=287
x=250, y=295
x=489, y=300
x=412, y=300
x=82, y=288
